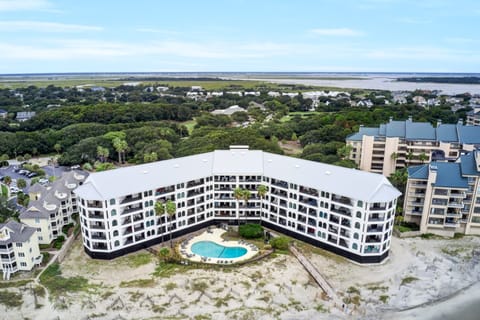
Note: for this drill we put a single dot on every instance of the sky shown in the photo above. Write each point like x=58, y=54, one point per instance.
x=61, y=36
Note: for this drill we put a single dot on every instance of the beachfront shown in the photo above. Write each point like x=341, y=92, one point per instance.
x=418, y=272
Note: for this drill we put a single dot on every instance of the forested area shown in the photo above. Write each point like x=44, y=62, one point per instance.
x=140, y=131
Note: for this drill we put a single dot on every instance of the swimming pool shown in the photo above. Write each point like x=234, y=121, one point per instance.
x=214, y=250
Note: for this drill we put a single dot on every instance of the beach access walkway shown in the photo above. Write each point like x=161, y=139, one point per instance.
x=317, y=276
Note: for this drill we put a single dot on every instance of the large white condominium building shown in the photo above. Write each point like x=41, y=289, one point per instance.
x=51, y=207
x=444, y=197
x=346, y=211
x=398, y=144
x=19, y=249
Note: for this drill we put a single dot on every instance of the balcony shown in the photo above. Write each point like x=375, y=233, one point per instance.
x=309, y=191
x=99, y=226
x=343, y=200
x=162, y=191
x=310, y=201
x=126, y=221
x=224, y=205
x=99, y=236
x=195, y=183
x=280, y=183
x=345, y=233
x=94, y=204
x=129, y=199
x=374, y=228
x=99, y=246
x=345, y=223
x=373, y=239
x=371, y=249
x=376, y=217
x=195, y=192
x=455, y=204
x=457, y=194
x=127, y=231
x=334, y=219
x=225, y=179
x=377, y=207
x=96, y=216
x=129, y=209
x=341, y=210
x=138, y=217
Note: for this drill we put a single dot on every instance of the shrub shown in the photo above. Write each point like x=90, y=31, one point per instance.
x=250, y=231
x=280, y=243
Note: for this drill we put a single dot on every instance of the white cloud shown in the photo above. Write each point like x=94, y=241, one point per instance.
x=337, y=32
x=423, y=54
x=24, y=5
x=40, y=26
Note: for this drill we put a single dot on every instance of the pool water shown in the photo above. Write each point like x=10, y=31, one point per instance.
x=214, y=250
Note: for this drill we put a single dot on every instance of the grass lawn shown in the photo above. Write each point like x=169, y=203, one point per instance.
x=303, y=114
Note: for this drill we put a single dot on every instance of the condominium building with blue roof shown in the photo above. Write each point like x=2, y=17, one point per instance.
x=398, y=144
x=444, y=197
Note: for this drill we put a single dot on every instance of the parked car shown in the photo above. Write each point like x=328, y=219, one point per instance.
x=32, y=174
x=14, y=189
x=23, y=172
x=43, y=181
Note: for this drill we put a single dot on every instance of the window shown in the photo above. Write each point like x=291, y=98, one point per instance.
x=354, y=246
x=359, y=214
x=23, y=264
x=112, y=201
x=37, y=220
x=39, y=229
x=355, y=235
x=114, y=223
x=114, y=212
x=115, y=233
x=21, y=254
x=117, y=243
x=18, y=244
x=40, y=238
x=359, y=203
x=357, y=225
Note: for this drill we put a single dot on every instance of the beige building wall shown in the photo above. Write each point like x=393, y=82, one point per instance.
x=391, y=147
x=366, y=153
x=28, y=255
x=44, y=232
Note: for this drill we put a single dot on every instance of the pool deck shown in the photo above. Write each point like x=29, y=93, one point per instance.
x=215, y=235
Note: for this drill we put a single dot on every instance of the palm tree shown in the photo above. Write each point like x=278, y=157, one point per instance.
x=57, y=147
x=160, y=211
x=423, y=157
x=246, y=194
x=171, y=209
x=262, y=192
x=21, y=183
x=120, y=146
x=102, y=153
x=410, y=156
x=238, y=195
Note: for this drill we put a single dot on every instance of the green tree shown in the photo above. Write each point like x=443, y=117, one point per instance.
x=344, y=152
x=164, y=254
x=262, y=192
x=410, y=156
x=150, y=157
x=27, y=157
x=238, y=195
x=57, y=147
x=120, y=146
x=423, y=157
x=7, y=180
x=21, y=183
x=102, y=153
x=171, y=209
x=160, y=211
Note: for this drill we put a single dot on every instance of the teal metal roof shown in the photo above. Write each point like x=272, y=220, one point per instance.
x=469, y=134
x=422, y=131
x=419, y=131
x=449, y=175
x=418, y=172
x=468, y=164
x=447, y=133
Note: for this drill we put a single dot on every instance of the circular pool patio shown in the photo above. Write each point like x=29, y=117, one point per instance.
x=209, y=247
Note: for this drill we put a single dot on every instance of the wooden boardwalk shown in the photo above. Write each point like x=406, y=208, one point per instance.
x=317, y=276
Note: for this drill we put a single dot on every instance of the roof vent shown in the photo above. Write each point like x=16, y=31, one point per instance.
x=176, y=165
x=297, y=166
x=328, y=173
x=239, y=147
x=145, y=172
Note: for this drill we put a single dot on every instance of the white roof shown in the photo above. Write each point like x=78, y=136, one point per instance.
x=356, y=184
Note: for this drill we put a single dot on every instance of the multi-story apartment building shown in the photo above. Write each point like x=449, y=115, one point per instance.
x=19, y=249
x=444, y=197
x=346, y=211
x=473, y=117
x=51, y=207
x=398, y=144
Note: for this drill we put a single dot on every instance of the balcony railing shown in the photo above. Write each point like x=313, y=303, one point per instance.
x=343, y=200
x=131, y=199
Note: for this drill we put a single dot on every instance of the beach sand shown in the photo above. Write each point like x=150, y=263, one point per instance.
x=418, y=273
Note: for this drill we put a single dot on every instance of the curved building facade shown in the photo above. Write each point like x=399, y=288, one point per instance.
x=346, y=211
